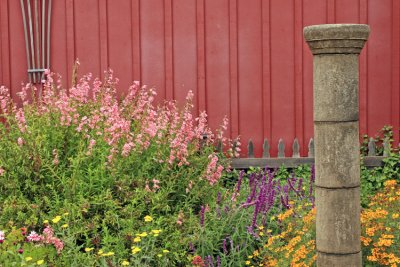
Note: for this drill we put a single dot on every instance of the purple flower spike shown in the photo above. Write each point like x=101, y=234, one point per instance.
x=218, y=261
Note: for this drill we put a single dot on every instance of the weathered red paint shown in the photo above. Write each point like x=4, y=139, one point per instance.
x=244, y=59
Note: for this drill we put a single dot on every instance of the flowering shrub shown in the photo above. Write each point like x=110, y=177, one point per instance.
x=381, y=227
x=108, y=163
x=236, y=224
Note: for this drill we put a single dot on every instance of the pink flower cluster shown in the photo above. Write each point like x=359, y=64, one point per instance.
x=214, y=170
x=46, y=238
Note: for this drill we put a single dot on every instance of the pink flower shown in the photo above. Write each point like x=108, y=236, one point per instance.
x=20, y=141
x=2, y=237
x=35, y=237
x=2, y=171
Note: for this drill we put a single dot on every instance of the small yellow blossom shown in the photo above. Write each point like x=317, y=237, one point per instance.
x=137, y=239
x=250, y=257
x=40, y=262
x=125, y=263
x=108, y=254
x=46, y=221
x=395, y=216
x=100, y=252
x=88, y=249
x=64, y=225
x=148, y=218
x=144, y=234
x=66, y=214
x=156, y=231
x=28, y=258
x=261, y=227
x=135, y=250
x=165, y=251
x=159, y=255
x=247, y=262
x=56, y=219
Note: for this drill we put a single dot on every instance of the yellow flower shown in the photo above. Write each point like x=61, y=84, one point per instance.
x=108, y=254
x=137, y=239
x=144, y=234
x=66, y=214
x=261, y=227
x=56, y=219
x=165, y=251
x=28, y=258
x=46, y=221
x=156, y=231
x=159, y=255
x=100, y=252
x=250, y=257
x=125, y=263
x=135, y=250
x=88, y=249
x=148, y=218
x=40, y=262
x=395, y=216
x=64, y=225
x=247, y=262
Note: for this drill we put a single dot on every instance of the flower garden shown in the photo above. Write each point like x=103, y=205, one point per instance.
x=91, y=179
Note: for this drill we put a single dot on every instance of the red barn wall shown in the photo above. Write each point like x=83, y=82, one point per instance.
x=242, y=58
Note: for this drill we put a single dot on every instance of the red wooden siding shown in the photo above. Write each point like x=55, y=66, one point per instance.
x=244, y=59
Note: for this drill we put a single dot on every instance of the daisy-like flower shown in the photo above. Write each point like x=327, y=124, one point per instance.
x=148, y=218
x=137, y=239
x=40, y=262
x=88, y=249
x=125, y=263
x=56, y=219
x=135, y=250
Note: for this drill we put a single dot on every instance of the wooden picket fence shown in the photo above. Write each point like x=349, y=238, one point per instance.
x=294, y=160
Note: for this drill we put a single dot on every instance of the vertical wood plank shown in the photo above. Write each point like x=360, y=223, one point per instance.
x=217, y=60
x=379, y=65
x=266, y=68
x=396, y=68
x=135, y=26
x=70, y=41
x=120, y=52
x=103, y=36
x=153, y=45
x=347, y=11
x=363, y=82
x=168, y=47
x=201, y=69
x=233, y=69
x=331, y=12
x=185, y=51
x=298, y=72
x=5, y=78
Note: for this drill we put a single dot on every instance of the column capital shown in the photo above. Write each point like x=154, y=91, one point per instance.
x=336, y=38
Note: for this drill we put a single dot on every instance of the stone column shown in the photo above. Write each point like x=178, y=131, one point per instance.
x=336, y=48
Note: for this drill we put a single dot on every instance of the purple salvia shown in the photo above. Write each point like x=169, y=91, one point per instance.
x=219, y=198
x=218, y=211
x=224, y=247
x=191, y=247
x=202, y=211
x=300, y=184
x=218, y=261
x=226, y=209
x=231, y=241
x=210, y=261
x=253, y=192
x=285, y=204
x=239, y=183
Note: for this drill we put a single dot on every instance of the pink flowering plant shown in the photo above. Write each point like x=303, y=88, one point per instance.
x=107, y=161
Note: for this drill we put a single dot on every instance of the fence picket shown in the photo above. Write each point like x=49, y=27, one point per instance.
x=266, y=149
x=281, y=148
x=371, y=147
x=296, y=149
x=311, y=153
x=250, y=149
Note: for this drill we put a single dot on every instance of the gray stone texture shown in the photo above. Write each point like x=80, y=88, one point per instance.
x=336, y=48
x=337, y=157
x=336, y=38
x=349, y=260
x=338, y=220
x=336, y=87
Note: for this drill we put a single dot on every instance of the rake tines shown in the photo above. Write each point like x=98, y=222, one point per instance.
x=37, y=39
